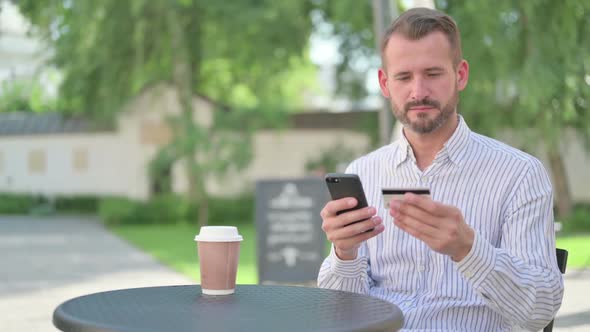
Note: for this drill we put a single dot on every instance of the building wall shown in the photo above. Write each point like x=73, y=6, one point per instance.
x=284, y=154
x=116, y=163
x=102, y=164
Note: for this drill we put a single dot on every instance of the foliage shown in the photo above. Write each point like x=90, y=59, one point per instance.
x=529, y=67
x=329, y=159
x=578, y=221
x=530, y=70
x=17, y=203
x=530, y=63
x=370, y=127
x=118, y=210
x=162, y=209
x=350, y=23
x=86, y=204
x=239, y=210
x=242, y=52
x=24, y=96
x=238, y=55
x=173, y=209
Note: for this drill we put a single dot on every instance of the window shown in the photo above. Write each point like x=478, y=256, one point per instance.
x=37, y=161
x=80, y=159
x=155, y=133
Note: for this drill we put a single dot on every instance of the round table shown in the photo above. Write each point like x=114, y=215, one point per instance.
x=251, y=308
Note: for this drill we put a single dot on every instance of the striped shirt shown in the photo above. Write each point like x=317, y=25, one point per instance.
x=509, y=278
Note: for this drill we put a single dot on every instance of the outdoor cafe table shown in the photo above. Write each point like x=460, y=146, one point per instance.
x=251, y=308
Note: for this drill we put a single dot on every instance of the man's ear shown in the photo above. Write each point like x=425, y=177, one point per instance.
x=383, y=83
x=462, y=74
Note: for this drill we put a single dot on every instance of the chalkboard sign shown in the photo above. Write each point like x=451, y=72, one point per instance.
x=291, y=243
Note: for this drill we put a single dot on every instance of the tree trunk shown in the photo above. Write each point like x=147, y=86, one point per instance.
x=182, y=78
x=563, y=196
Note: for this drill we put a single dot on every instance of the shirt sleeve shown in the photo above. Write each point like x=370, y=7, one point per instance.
x=520, y=279
x=351, y=275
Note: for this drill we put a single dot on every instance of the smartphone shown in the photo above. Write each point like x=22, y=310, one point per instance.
x=343, y=185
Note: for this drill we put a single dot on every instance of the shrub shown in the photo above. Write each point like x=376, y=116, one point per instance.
x=231, y=210
x=77, y=204
x=579, y=220
x=118, y=211
x=114, y=210
x=163, y=209
x=17, y=203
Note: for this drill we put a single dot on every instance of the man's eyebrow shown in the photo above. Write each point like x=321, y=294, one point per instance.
x=401, y=73
x=431, y=69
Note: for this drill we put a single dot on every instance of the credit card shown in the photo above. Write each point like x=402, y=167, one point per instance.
x=398, y=193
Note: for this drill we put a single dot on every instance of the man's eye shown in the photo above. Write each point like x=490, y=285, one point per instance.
x=434, y=74
x=403, y=78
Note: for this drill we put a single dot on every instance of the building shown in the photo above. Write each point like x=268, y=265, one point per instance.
x=50, y=155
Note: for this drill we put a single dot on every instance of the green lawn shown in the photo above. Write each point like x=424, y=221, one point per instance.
x=174, y=246
x=578, y=247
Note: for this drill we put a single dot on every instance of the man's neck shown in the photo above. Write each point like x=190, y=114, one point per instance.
x=427, y=146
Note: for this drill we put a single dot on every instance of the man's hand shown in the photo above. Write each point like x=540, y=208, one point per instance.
x=440, y=226
x=345, y=236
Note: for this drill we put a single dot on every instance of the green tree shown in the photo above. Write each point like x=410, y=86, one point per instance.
x=530, y=71
x=25, y=96
x=242, y=55
x=530, y=68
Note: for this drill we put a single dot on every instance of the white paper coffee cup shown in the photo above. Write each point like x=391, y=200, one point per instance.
x=219, y=251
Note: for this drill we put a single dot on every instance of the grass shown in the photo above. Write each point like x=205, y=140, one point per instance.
x=578, y=247
x=173, y=245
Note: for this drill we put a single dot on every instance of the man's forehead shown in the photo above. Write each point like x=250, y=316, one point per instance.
x=435, y=40
x=432, y=50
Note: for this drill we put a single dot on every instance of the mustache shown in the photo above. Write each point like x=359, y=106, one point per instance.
x=423, y=102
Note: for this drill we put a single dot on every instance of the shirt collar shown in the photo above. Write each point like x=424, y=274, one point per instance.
x=405, y=150
x=453, y=149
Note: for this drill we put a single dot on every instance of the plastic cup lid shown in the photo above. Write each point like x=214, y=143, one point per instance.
x=218, y=234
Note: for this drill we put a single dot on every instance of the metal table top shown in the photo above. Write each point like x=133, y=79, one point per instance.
x=251, y=308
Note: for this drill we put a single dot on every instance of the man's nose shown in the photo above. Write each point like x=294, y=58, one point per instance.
x=419, y=89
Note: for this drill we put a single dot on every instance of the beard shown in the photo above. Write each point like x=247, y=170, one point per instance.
x=425, y=123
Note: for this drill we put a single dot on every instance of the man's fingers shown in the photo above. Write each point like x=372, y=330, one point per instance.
x=337, y=205
x=416, y=231
x=417, y=226
x=356, y=240
x=401, y=209
x=356, y=215
x=354, y=229
x=427, y=204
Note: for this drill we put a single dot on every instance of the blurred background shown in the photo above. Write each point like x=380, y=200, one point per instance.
x=126, y=125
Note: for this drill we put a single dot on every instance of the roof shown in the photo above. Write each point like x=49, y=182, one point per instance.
x=27, y=123
x=353, y=120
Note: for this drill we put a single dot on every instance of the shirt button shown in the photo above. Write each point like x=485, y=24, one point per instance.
x=468, y=274
x=421, y=268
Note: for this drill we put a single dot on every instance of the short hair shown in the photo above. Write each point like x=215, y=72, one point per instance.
x=416, y=23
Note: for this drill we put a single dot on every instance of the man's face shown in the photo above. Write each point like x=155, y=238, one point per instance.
x=421, y=81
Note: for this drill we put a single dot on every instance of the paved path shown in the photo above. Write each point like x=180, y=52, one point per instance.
x=574, y=315
x=45, y=261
